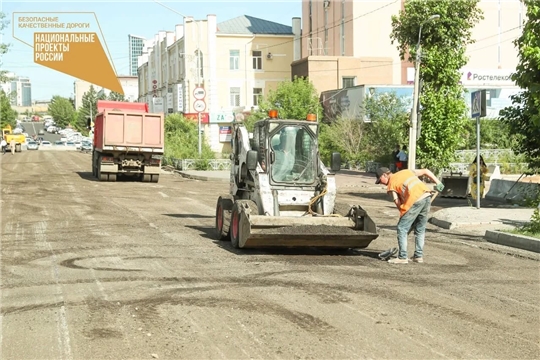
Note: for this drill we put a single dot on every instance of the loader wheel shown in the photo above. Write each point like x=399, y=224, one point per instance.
x=146, y=178
x=18, y=148
x=155, y=178
x=112, y=177
x=223, y=217
x=235, y=225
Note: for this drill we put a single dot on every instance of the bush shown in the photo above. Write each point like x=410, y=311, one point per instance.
x=182, y=141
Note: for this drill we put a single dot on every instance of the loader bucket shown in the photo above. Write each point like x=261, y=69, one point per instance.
x=253, y=231
x=455, y=186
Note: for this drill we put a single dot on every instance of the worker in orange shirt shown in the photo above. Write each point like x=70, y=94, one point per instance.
x=413, y=200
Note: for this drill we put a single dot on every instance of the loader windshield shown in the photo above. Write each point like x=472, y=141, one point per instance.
x=295, y=153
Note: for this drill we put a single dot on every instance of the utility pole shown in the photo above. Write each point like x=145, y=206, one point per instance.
x=416, y=94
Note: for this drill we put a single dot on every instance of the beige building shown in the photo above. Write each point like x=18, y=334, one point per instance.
x=129, y=84
x=240, y=59
x=340, y=47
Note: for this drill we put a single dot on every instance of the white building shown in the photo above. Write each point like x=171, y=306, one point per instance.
x=240, y=59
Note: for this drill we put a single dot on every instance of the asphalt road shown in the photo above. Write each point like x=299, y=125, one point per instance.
x=33, y=128
x=130, y=270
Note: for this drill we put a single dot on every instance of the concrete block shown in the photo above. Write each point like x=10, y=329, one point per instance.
x=513, y=240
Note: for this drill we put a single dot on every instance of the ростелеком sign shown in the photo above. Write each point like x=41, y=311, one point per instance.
x=487, y=77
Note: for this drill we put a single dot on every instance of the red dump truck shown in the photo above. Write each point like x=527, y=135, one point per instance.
x=128, y=141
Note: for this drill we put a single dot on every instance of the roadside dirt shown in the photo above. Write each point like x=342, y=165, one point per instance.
x=129, y=270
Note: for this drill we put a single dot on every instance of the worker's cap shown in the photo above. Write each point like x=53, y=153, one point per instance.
x=380, y=172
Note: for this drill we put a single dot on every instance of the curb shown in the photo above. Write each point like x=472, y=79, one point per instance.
x=516, y=241
x=442, y=223
x=452, y=225
x=199, y=177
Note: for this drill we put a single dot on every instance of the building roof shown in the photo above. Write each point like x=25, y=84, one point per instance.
x=251, y=25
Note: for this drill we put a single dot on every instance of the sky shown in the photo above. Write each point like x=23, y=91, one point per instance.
x=117, y=19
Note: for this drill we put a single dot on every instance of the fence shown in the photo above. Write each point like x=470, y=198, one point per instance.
x=201, y=164
x=464, y=159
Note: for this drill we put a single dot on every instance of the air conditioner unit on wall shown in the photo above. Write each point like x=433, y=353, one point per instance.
x=269, y=56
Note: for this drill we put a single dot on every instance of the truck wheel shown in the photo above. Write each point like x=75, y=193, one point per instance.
x=155, y=178
x=18, y=148
x=112, y=177
x=146, y=178
x=223, y=217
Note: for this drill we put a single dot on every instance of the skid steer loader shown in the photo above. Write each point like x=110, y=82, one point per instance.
x=282, y=195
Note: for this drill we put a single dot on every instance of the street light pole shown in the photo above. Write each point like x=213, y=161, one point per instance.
x=414, y=112
x=199, y=63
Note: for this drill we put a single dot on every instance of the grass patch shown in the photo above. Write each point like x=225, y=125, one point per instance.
x=522, y=232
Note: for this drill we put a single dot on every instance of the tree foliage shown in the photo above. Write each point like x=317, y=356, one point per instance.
x=358, y=140
x=3, y=48
x=62, y=111
x=523, y=117
x=443, y=43
x=114, y=96
x=8, y=116
x=182, y=140
x=388, y=126
x=293, y=100
x=89, y=107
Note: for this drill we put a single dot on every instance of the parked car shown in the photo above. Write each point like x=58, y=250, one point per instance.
x=86, y=146
x=59, y=143
x=46, y=143
x=41, y=132
x=32, y=145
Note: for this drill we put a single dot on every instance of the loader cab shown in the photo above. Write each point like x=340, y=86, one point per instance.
x=287, y=150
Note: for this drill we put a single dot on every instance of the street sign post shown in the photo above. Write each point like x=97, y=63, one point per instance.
x=478, y=110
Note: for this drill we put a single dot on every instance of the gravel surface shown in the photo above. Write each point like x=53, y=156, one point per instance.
x=130, y=270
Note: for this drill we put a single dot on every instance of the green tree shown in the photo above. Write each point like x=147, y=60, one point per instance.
x=523, y=117
x=8, y=116
x=388, y=126
x=182, y=141
x=61, y=110
x=293, y=100
x=444, y=43
x=88, y=107
x=3, y=47
x=385, y=125
x=114, y=96
x=494, y=134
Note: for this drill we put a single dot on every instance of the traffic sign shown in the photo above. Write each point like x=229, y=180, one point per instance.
x=478, y=104
x=476, y=101
x=199, y=93
x=199, y=105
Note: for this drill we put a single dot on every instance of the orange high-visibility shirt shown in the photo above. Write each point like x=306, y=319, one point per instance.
x=408, y=187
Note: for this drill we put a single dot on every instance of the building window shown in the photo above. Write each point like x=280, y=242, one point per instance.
x=234, y=59
x=349, y=81
x=257, y=92
x=257, y=60
x=235, y=96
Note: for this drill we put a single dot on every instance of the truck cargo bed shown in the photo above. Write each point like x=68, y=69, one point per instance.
x=129, y=131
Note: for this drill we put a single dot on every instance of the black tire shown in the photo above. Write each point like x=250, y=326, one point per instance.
x=112, y=177
x=146, y=178
x=223, y=217
x=235, y=225
x=154, y=178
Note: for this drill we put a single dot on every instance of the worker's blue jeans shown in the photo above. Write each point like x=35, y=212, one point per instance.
x=414, y=219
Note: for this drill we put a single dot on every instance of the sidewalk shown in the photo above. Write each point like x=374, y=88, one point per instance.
x=492, y=214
